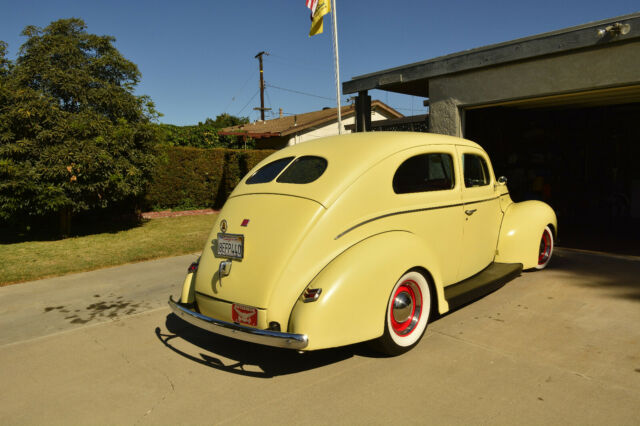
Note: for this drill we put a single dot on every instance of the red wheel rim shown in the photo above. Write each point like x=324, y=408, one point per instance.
x=405, y=308
x=545, y=248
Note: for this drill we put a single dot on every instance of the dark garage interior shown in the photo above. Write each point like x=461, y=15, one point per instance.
x=558, y=113
x=582, y=160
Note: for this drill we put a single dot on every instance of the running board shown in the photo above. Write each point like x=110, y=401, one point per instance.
x=489, y=279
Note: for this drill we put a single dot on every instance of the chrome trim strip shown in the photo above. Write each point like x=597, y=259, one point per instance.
x=410, y=211
x=240, y=332
x=394, y=214
x=481, y=201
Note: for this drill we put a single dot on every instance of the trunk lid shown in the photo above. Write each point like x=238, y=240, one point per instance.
x=272, y=226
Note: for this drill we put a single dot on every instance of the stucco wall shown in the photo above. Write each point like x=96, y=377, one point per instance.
x=609, y=66
x=329, y=129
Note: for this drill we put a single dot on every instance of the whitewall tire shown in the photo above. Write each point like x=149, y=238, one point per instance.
x=407, y=314
x=545, y=249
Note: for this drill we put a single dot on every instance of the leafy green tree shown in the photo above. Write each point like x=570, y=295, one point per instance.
x=226, y=120
x=73, y=136
x=4, y=62
x=205, y=135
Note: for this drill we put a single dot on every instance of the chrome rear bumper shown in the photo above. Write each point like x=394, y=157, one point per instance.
x=240, y=332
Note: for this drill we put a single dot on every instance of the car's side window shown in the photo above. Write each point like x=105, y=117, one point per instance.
x=424, y=172
x=476, y=172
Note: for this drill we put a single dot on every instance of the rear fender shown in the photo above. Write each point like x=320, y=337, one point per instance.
x=521, y=231
x=356, y=287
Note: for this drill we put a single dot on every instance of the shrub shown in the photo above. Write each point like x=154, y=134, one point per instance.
x=187, y=178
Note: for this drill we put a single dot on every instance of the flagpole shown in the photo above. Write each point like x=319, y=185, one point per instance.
x=336, y=62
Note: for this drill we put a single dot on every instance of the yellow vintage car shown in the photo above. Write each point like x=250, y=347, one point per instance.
x=361, y=237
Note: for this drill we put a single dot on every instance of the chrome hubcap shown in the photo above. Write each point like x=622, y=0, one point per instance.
x=402, y=307
x=545, y=248
x=406, y=309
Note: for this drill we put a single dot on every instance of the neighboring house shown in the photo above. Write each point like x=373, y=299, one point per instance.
x=290, y=130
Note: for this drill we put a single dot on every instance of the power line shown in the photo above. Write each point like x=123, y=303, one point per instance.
x=303, y=63
x=279, y=62
x=254, y=95
x=233, y=98
x=266, y=93
x=299, y=92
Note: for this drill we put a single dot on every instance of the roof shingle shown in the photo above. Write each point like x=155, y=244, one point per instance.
x=294, y=123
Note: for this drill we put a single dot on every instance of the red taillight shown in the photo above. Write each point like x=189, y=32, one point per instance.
x=192, y=268
x=311, y=294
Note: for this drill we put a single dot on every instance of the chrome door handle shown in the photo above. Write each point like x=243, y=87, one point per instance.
x=470, y=212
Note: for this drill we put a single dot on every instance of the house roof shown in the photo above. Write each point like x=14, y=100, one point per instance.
x=295, y=123
x=411, y=79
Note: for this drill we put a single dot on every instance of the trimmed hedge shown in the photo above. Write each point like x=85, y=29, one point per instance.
x=187, y=178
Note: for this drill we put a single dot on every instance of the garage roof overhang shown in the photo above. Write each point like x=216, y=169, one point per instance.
x=413, y=79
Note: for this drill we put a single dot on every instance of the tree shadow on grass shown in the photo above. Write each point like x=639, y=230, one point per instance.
x=247, y=359
x=46, y=229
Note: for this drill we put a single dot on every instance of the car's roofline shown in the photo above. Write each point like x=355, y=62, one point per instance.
x=386, y=143
x=349, y=156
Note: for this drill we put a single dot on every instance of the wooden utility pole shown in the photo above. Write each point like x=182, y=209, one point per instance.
x=262, y=109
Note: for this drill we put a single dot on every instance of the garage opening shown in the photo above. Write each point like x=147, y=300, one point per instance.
x=582, y=160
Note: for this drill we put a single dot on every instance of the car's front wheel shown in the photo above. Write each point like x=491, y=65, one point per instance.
x=407, y=314
x=545, y=249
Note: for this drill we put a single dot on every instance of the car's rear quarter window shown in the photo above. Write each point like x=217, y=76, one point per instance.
x=269, y=171
x=424, y=172
x=304, y=169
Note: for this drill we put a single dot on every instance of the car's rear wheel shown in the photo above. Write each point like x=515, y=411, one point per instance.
x=545, y=249
x=407, y=314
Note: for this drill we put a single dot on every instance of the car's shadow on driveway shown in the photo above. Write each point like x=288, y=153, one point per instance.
x=244, y=358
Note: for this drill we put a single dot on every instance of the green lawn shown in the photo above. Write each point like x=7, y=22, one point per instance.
x=155, y=238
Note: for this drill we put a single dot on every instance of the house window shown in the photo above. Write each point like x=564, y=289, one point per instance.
x=268, y=172
x=424, y=172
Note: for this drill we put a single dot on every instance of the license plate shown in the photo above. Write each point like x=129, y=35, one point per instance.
x=244, y=314
x=230, y=246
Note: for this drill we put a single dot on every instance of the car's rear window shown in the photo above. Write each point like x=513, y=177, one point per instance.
x=304, y=169
x=424, y=172
x=268, y=172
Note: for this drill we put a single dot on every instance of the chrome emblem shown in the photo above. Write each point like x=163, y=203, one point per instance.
x=223, y=226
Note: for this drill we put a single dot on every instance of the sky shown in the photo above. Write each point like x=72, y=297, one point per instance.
x=197, y=58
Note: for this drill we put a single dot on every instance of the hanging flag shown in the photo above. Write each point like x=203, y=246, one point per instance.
x=319, y=8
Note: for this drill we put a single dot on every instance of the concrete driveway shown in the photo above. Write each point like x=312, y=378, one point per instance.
x=561, y=346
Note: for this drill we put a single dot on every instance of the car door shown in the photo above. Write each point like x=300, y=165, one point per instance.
x=482, y=212
x=427, y=187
